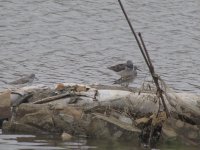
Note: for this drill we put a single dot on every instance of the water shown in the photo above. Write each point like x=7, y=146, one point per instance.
x=75, y=40
x=54, y=142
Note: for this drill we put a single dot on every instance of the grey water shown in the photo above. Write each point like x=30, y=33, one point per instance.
x=52, y=142
x=75, y=41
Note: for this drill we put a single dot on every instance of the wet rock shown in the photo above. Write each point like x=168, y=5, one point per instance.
x=184, y=131
x=32, y=118
x=16, y=127
x=111, y=128
x=70, y=120
x=99, y=129
x=41, y=119
x=28, y=108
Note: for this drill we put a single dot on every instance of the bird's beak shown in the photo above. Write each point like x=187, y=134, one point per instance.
x=138, y=69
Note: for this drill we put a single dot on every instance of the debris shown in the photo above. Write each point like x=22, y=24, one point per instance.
x=116, y=114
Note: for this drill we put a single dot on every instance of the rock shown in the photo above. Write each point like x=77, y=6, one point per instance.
x=111, y=128
x=41, y=119
x=125, y=120
x=15, y=127
x=75, y=112
x=117, y=134
x=5, y=106
x=169, y=132
x=80, y=88
x=67, y=118
x=5, y=100
x=32, y=117
x=99, y=129
x=142, y=120
x=60, y=87
x=179, y=123
x=27, y=108
x=104, y=113
x=192, y=135
x=66, y=137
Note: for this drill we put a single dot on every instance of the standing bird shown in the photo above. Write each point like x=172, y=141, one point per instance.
x=24, y=80
x=27, y=79
x=127, y=71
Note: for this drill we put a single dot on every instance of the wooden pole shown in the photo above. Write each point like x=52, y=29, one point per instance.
x=131, y=27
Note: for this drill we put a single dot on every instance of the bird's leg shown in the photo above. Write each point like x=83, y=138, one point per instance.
x=121, y=84
x=126, y=84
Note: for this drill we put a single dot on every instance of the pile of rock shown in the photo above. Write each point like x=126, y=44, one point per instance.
x=100, y=112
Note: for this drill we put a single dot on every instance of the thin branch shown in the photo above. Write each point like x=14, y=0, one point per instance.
x=146, y=58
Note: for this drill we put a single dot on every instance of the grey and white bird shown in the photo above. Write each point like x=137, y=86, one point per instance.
x=127, y=71
x=27, y=79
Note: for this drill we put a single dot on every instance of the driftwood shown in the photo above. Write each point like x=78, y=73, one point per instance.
x=52, y=98
x=138, y=101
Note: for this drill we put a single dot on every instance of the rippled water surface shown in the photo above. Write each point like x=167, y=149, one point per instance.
x=75, y=40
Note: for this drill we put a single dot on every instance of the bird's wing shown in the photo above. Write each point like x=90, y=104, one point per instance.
x=118, y=68
x=20, y=81
x=119, y=81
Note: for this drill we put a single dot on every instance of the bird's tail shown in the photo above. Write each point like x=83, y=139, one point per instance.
x=119, y=81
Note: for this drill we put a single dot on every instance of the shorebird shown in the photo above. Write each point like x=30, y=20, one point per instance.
x=24, y=80
x=127, y=71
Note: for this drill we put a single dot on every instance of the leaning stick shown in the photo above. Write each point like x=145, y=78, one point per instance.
x=146, y=58
x=133, y=31
x=52, y=98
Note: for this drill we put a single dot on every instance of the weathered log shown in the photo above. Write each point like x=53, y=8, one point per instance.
x=52, y=98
